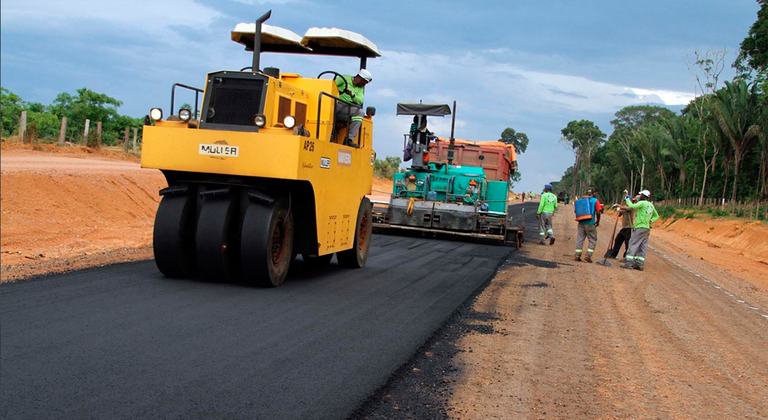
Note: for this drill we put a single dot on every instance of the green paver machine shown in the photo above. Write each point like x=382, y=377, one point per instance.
x=440, y=193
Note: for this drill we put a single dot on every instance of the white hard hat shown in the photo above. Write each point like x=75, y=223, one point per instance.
x=646, y=193
x=365, y=74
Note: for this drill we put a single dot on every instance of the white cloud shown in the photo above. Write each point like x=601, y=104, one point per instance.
x=267, y=1
x=151, y=17
x=386, y=93
x=666, y=96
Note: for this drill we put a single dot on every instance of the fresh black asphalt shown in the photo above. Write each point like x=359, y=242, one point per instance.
x=123, y=342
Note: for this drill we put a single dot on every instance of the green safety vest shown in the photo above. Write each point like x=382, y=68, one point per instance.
x=645, y=213
x=358, y=91
x=548, y=203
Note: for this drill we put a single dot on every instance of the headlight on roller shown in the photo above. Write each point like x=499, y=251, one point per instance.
x=289, y=121
x=259, y=120
x=185, y=114
x=156, y=114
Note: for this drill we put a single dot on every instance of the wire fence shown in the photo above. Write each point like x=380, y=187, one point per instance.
x=91, y=135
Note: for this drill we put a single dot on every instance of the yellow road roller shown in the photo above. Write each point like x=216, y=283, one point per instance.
x=262, y=172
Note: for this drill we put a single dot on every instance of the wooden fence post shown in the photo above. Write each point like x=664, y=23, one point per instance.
x=98, y=134
x=85, y=132
x=126, y=139
x=63, y=132
x=23, y=127
x=135, y=135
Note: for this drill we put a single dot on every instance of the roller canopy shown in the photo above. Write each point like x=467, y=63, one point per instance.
x=423, y=109
x=320, y=41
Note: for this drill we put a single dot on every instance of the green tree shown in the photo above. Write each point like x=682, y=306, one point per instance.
x=682, y=134
x=626, y=125
x=514, y=179
x=386, y=167
x=519, y=140
x=753, y=51
x=42, y=125
x=91, y=105
x=11, y=106
x=736, y=113
x=584, y=137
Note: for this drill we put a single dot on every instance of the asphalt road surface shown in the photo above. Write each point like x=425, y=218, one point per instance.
x=125, y=342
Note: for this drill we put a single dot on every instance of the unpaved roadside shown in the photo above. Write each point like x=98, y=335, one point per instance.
x=575, y=340
x=66, y=211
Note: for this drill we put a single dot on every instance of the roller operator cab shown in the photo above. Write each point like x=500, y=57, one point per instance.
x=453, y=187
x=262, y=173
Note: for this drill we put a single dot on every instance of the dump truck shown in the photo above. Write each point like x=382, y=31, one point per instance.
x=262, y=172
x=447, y=189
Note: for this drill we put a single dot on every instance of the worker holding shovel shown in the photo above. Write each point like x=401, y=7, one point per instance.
x=627, y=216
x=645, y=214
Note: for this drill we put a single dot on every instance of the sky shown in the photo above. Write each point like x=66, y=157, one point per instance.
x=530, y=65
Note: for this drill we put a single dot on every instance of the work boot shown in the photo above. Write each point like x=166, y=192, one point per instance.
x=542, y=243
x=626, y=265
x=351, y=143
x=578, y=257
x=552, y=240
x=588, y=258
x=638, y=267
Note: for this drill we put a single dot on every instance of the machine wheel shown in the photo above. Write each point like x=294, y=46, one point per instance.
x=214, y=254
x=358, y=255
x=266, y=247
x=173, y=238
x=320, y=261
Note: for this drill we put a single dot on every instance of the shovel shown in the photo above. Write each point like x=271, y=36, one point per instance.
x=604, y=261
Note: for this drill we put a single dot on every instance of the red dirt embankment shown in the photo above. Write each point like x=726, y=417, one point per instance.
x=69, y=208
x=747, y=238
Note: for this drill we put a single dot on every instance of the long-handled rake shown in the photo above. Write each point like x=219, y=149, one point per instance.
x=605, y=261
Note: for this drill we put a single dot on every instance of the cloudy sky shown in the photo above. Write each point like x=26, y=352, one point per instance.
x=530, y=65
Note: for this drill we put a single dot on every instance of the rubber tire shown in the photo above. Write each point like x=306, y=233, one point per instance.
x=259, y=230
x=320, y=261
x=173, y=236
x=215, y=259
x=358, y=255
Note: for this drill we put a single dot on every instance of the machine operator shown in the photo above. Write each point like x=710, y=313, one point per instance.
x=354, y=93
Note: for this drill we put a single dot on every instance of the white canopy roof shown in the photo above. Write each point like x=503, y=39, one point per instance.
x=326, y=41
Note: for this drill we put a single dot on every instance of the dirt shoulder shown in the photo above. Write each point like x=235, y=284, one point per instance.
x=73, y=208
x=566, y=339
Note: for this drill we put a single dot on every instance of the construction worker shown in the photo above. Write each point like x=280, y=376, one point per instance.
x=547, y=207
x=587, y=209
x=354, y=92
x=645, y=214
x=627, y=223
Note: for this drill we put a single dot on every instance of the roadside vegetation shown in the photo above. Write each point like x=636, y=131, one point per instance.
x=44, y=121
x=711, y=155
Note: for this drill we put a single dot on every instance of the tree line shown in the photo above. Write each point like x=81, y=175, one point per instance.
x=44, y=121
x=716, y=147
